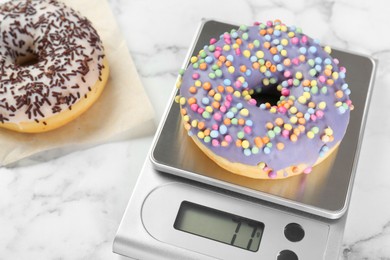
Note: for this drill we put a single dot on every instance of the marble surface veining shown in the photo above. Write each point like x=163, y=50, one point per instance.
x=68, y=204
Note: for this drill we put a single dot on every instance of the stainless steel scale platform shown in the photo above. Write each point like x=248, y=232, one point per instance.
x=184, y=206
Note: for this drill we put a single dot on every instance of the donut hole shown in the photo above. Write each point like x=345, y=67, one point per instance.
x=267, y=95
x=27, y=60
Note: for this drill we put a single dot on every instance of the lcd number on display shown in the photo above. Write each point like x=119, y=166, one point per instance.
x=219, y=226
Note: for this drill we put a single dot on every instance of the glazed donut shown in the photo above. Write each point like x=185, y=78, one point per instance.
x=52, y=65
x=265, y=101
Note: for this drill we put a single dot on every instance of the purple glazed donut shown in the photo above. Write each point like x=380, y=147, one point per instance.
x=265, y=101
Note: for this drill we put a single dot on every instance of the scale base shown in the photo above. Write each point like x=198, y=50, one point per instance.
x=142, y=233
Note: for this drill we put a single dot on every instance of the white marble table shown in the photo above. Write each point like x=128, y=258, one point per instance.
x=68, y=205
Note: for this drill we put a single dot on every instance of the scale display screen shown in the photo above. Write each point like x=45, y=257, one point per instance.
x=219, y=226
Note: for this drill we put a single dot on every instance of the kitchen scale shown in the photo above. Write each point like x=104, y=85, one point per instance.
x=184, y=206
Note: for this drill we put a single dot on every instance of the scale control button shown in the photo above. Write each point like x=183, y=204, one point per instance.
x=287, y=255
x=294, y=232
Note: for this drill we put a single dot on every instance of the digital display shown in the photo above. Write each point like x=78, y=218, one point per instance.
x=219, y=226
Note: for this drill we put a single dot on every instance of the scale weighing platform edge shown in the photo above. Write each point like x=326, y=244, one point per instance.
x=178, y=203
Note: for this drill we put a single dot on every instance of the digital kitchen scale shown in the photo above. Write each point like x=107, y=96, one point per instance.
x=184, y=206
